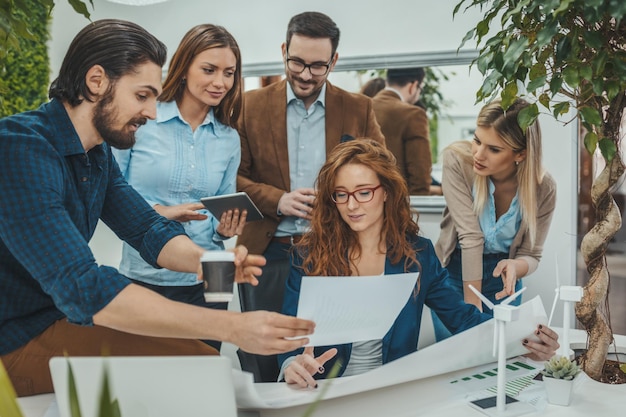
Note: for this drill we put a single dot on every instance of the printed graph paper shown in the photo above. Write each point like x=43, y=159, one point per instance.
x=519, y=376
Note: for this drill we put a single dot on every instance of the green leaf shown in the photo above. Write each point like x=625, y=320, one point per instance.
x=619, y=61
x=593, y=39
x=545, y=35
x=469, y=35
x=599, y=61
x=483, y=63
x=482, y=28
x=563, y=49
x=560, y=108
x=594, y=3
x=612, y=89
x=8, y=402
x=515, y=50
x=509, y=94
x=537, y=70
x=591, y=141
x=598, y=86
x=563, y=7
x=555, y=84
x=515, y=12
x=80, y=7
x=108, y=407
x=527, y=116
x=590, y=115
x=607, y=148
x=536, y=83
x=73, y=393
x=457, y=7
x=585, y=72
x=544, y=99
x=618, y=9
x=571, y=76
x=489, y=85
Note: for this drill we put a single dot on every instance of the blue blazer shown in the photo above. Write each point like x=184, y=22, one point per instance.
x=402, y=338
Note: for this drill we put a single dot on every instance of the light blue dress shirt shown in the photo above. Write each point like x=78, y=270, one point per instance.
x=306, y=141
x=170, y=164
x=499, y=234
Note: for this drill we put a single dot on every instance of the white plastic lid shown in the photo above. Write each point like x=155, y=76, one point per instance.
x=217, y=255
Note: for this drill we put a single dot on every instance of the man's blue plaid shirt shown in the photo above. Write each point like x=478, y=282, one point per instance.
x=52, y=194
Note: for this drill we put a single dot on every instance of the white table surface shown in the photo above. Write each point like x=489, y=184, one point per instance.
x=428, y=396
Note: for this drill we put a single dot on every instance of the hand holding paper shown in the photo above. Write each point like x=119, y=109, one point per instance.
x=350, y=309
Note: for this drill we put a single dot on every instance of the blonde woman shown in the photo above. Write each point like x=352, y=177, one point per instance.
x=499, y=205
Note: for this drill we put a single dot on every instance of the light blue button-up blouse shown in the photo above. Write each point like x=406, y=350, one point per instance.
x=499, y=234
x=171, y=164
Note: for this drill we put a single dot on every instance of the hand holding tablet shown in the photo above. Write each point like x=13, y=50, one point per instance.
x=220, y=203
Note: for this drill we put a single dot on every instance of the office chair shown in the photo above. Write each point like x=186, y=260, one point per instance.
x=268, y=295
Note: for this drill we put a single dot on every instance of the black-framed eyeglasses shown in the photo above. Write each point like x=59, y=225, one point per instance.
x=316, y=68
x=362, y=195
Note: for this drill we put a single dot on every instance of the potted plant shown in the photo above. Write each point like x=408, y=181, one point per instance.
x=567, y=55
x=558, y=377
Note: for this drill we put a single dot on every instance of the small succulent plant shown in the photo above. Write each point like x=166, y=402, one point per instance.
x=560, y=367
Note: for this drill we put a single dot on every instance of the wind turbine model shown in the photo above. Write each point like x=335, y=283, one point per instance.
x=502, y=313
x=568, y=294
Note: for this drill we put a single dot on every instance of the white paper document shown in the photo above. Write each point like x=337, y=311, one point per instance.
x=468, y=349
x=352, y=309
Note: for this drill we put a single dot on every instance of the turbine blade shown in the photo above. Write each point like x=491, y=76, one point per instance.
x=482, y=297
x=556, y=298
x=513, y=297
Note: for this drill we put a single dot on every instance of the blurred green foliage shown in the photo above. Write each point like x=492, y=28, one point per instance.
x=24, y=64
x=569, y=55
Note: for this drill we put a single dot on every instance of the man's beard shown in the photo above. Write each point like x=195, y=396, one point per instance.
x=104, y=116
x=292, y=79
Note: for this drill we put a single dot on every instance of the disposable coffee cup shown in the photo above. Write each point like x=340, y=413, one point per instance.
x=218, y=272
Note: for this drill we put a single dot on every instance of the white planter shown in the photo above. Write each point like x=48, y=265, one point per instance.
x=559, y=390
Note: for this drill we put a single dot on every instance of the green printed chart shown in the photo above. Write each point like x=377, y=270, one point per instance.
x=519, y=376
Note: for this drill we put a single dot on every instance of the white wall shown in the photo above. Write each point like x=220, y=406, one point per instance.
x=368, y=28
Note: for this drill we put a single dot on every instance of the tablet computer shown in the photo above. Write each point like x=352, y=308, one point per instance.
x=220, y=203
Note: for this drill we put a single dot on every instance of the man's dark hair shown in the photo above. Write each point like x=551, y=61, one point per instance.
x=404, y=76
x=117, y=45
x=313, y=25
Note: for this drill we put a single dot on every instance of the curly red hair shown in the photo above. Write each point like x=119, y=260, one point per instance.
x=328, y=230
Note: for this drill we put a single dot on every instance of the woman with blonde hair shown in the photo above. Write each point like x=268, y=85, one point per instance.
x=362, y=225
x=499, y=205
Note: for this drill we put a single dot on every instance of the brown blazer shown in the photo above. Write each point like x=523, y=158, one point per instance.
x=264, y=168
x=405, y=127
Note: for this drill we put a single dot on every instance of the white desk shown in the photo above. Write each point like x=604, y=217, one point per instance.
x=430, y=396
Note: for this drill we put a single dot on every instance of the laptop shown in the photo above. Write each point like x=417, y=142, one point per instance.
x=149, y=386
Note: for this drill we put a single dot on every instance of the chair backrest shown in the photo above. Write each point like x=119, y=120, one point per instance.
x=190, y=386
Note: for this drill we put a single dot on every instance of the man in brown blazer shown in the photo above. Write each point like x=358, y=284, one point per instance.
x=286, y=130
x=405, y=126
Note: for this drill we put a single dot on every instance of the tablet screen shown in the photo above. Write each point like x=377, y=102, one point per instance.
x=220, y=203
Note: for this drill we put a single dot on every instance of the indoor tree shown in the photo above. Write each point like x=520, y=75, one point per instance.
x=569, y=56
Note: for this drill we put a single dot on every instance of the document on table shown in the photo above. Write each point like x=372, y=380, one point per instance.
x=468, y=349
x=351, y=309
